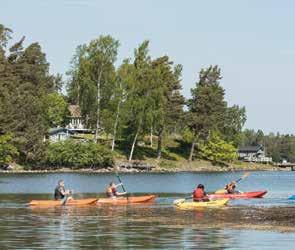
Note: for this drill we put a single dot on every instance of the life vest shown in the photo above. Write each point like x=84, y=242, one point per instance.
x=198, y=194
x=111, y=192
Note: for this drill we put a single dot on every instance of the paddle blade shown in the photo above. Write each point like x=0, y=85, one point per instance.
x=175, y=202
x=221, y=191
x=245, y=175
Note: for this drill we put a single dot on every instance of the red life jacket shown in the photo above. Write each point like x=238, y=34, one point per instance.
x=111, y=192
x=198, y=194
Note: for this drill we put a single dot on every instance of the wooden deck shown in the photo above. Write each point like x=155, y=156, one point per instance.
x=291, y=166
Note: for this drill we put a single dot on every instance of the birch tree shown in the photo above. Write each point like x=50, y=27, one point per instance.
x=92, y=79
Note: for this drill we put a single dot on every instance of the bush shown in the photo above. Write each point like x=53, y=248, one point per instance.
x=217, y=150
x=7, y=150
x=78, y=155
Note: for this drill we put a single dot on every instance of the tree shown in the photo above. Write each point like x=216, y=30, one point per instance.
x=218, y=150
x=140, y=87
x=168, y=101
x=124, y=77
x=93, y=78
x=56, y=110
x=7, y=150
x=235, y=118
x=24, y=81
x=207, y=107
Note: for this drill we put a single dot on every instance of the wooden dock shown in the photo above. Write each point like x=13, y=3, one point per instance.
x=289, y=165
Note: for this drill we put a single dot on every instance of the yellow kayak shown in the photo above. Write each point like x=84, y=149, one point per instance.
x=203, y=204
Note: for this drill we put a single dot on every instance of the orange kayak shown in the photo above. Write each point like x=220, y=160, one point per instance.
x=50, y=203
x=125, y=200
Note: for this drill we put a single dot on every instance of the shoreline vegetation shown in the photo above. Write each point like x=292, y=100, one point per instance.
x=157, y=167
x=126, y=112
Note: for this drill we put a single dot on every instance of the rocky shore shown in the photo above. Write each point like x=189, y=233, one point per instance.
x=149, y=166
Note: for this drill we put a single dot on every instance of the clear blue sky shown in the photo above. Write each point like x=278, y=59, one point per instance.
x=252, y=41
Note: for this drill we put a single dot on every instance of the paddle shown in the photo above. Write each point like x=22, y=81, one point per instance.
x=182, y=200
x=64, y=202
x=222, y=191
x=124, y=190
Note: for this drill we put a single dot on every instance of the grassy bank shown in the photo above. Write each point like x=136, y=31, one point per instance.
x=174, y=159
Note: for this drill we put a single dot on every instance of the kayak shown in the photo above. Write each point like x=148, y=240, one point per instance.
x=71, y=202
x=245, y=195
x=125, y=200
x=203, y=204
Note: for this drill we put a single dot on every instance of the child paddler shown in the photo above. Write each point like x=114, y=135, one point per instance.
x=112, y=191
x=199, y=194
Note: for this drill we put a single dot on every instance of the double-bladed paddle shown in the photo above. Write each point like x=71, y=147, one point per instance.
x=124, y=190
x=222, y=191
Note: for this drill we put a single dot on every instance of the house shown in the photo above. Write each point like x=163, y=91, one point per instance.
x=253, y=154
x=59, y=134
x=75, y=118
x=76, y=121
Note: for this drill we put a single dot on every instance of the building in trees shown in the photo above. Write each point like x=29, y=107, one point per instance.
x=59, y=134
x=253, y=154
x=75, y=119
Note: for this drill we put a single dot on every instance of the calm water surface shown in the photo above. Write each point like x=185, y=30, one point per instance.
x=155, y=226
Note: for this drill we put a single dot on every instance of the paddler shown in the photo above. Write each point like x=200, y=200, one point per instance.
x=112, y=192
x=199, y=194
x=60, y=193
x=230, y=188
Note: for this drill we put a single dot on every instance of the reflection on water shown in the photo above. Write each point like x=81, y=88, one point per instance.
x=154, y=226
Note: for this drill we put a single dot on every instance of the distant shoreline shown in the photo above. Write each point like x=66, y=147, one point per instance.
x=194, y=167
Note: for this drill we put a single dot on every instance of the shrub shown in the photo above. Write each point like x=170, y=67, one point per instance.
x=218, y=150
x=7, y=150
x=75, y=154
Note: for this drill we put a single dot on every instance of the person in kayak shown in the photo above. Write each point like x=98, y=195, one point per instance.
x=112, y=191
x=60, y=193
x=199, y=194
x=230, y=188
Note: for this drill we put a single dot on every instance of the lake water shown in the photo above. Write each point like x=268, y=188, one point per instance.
x=154, y=226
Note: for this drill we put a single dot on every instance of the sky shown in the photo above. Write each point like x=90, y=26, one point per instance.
x=252, y=41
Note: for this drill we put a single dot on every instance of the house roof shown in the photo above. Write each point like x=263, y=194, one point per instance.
x=75, y=110
x=250, y=149
x=54, y=131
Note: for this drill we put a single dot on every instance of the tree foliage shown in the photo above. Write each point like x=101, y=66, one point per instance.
x=208, y=110
x=24, y=82
x=126, y=102
x=78, y=155
x=7, y=150
x=56, y=110
x=218, y=150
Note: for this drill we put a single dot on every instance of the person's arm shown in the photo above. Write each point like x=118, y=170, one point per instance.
x=118, y=185
x=119, y=194
x=64, y=192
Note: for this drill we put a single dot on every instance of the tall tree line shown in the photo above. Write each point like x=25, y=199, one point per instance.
x=140, y=96
x=27, y=91
x=279, y=146
x=122, y=102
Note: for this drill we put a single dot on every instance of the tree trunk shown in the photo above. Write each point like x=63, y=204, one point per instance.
x=151, y=138
x=192, y=151
x=159, y=149
x=115, y=125
x=98, y=106
x=133, y=145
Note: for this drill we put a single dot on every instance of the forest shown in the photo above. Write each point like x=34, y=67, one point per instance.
x=136, y=109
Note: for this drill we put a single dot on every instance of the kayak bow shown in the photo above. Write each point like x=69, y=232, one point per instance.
x=70, y=202
x=204, y=204
x=126, y=200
